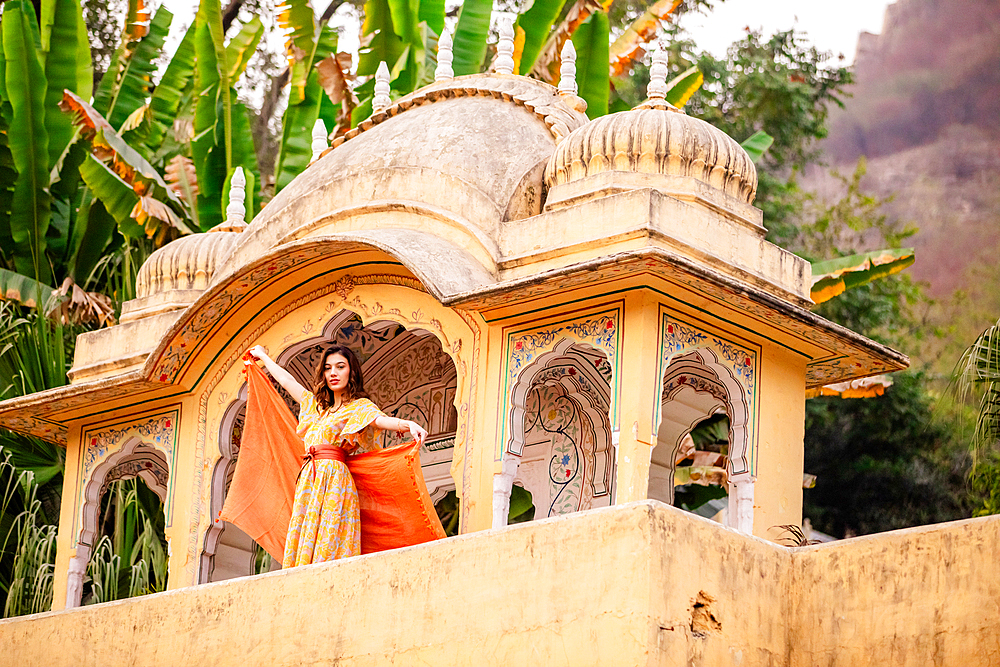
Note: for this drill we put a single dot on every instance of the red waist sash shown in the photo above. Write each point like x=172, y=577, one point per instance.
x=322, y=452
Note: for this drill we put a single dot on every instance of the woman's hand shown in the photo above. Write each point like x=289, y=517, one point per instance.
x=416, y=431
x=257, y=352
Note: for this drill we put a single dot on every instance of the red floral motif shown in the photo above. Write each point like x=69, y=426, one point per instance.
x=163, y=377
x=518, y=345
x=609, y=325
x=681, y=380
x=93, y=442
x=167, y=424
x=572, y=371
x=746, y=362
x=670, y=328
x=568, y=473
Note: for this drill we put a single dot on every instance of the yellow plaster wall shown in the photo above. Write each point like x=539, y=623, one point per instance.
x=639, y=584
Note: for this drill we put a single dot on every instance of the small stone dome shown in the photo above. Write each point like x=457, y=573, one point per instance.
x=187, y=263
x=655, y=139
x=174, y=276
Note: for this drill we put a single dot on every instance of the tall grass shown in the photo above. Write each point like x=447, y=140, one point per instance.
x=130, y=559
x=31, y=541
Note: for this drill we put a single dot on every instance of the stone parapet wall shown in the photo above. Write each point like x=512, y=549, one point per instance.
x=640, y=584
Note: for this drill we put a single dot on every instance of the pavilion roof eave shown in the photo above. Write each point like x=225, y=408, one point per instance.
x=863, y=357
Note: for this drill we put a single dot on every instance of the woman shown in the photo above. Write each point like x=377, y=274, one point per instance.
x=336, y=419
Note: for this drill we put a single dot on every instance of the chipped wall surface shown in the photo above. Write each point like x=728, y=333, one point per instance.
x=640, y=584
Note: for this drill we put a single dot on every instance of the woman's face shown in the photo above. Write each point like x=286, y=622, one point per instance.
x=336, y=372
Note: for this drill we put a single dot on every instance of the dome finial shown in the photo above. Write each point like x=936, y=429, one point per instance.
x=236, y=211
x=445, y=57
x=381, y=101
x=504, y=63
x=657, y=88
x=318, y=140
x=567, y=69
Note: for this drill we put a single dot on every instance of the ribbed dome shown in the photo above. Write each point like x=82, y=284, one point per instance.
x=654, y=141
x=185, y=264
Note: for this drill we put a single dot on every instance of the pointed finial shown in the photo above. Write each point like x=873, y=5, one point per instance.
x=504, y=63
x=236, y=211
x=567, y=69
x=381, y=101
x=657, y=88
x=445, y=57
x=319, y=143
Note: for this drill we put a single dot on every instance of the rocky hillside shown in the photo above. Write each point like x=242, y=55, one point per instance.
x=925, y=112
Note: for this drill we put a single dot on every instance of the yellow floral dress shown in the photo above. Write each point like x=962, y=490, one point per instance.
x=325, y=523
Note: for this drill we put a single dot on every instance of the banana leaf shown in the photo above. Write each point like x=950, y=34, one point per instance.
x=25, y=88
x=169, y=93
x=8, y=174
x=63, y=71
x=137, y=69
x=404, y=15
x=383, y=44
x=757, y=144
x=471, y=32
x=23, y=290
x=536, y=24
x=125, y=161
x=629, y=44
x=683, y=86
x=297, y=18
x=212, y=146
x=92, y=233
x=432, y=13
x=296, y=134
x=242, y=46
x=299, y=118
x=834, y=276
x=546, y=66
x=591, y=42
x=117, y=196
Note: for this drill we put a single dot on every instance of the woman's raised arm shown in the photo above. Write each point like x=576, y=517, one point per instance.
x=283, y=377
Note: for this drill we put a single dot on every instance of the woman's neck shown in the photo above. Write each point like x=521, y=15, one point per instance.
x=339, y=398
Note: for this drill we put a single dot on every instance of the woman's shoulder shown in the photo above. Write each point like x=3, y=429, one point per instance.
x=362, y=404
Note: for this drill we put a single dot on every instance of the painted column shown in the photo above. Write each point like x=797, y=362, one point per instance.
x=777, y=493
x=637, y=396
x=66, y=550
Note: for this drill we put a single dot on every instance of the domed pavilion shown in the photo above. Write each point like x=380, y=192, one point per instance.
x=558, y=300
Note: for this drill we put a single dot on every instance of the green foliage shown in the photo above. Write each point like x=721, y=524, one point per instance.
x=536, y=24
x=130, y=557
x=27, y=544
x=884, y=463
x=469, y=43
x=592, y=74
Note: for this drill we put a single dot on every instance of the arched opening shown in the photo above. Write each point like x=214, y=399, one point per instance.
x=701, y=433
x=107, y=507
x=560, y=449
x=407, y=374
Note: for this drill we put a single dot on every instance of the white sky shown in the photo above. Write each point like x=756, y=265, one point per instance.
x=830, y=26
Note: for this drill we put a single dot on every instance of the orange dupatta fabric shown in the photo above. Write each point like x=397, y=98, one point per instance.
x=396, y=510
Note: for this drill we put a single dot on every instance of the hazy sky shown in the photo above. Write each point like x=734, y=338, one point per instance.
x=830, y=26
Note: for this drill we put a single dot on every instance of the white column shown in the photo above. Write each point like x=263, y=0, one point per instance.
x=503, y=482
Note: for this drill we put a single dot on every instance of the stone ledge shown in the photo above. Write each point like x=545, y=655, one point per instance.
x=638, y=584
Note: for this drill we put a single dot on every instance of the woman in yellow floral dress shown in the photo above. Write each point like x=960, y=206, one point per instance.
x=336, y=420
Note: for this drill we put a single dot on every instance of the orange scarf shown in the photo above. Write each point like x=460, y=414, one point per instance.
x=396, y=510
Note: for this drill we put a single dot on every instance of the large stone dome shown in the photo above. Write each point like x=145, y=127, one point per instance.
x=466, y=153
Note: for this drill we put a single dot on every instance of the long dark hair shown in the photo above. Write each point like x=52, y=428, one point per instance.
x=355, y=382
